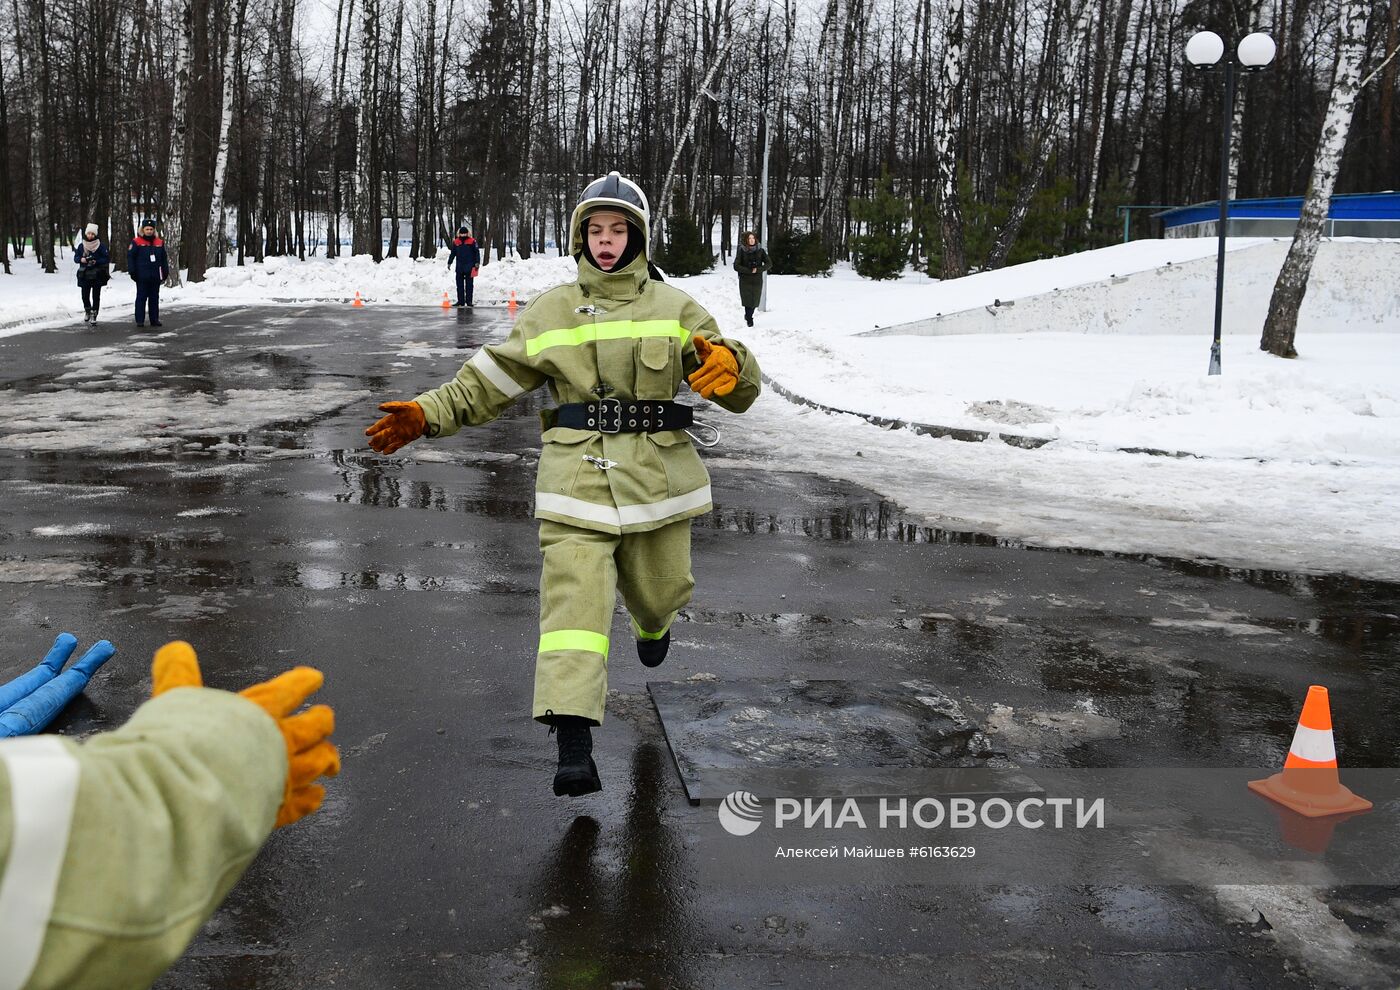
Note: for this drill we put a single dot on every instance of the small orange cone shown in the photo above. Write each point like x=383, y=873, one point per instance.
x=1309, y=783
x=358, y=303
x=512, y=303
x=445, y=303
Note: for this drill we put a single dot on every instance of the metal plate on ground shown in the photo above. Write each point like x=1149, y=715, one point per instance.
x=826, y=738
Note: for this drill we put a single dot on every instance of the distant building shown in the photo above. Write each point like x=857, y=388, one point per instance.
x=1355, y=215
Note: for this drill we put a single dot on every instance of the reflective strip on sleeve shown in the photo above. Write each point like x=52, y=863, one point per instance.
x=623, y=515
x=609, y=330
x=1314, y=745
x=574, y=639
x=495, y=374
x=43, y=791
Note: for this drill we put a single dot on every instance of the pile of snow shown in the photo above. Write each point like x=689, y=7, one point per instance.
x=31, y=299
x=401, y=281
x=1340, y=400
x=1285, y=515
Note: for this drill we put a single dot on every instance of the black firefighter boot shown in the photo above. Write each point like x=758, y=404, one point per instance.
x=577, y=773
x=652, y=651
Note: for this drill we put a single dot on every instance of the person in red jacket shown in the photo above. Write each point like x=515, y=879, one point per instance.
x=148, y=267
x=466, y=257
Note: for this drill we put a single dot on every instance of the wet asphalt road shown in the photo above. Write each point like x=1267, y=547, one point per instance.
x=442, y=859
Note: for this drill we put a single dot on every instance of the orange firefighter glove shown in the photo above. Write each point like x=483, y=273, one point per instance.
x=404, y=424
x=718, y=372
x=309, y=753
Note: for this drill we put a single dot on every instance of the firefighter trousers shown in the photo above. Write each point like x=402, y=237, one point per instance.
x=583, y=571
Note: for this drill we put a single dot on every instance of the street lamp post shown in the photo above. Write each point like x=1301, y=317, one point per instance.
x=763, y=214
x=1204, y=51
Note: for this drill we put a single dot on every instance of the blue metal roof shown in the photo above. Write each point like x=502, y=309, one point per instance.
x=1354, y=206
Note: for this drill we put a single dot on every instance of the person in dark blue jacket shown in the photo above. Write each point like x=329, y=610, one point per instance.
x=91, y=257
x=465, y=256
x=147, y=266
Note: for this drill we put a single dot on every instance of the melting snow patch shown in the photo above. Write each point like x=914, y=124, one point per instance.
x=40, y=571
x=152, y=419
x=1228, y=628
x=77, y=529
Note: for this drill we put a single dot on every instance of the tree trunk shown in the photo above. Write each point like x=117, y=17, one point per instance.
x=5, y=197
x=660, y=211
x=1113, y=34
x=1043, y=145
x=954, y=258
x=366, y=223
x=38, y=92
x=173, y=204
x=1281, y=324
x=232, y=57
x=1389, y=163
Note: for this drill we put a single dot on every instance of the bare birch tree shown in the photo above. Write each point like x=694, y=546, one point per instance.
x=366, y=238
x=1281, y=324
x=173, y=203
x=946, y=146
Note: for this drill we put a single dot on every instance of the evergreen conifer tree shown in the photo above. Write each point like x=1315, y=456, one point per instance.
x=883, y=250
x=684, y=252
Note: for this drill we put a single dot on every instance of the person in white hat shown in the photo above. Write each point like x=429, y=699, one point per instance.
x=91, y=256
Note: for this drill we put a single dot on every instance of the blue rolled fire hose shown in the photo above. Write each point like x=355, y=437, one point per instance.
x=23, y=685
x=31, y=712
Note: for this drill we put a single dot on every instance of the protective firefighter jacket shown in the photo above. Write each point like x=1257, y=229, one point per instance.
x=114, y=852
x=632, y=338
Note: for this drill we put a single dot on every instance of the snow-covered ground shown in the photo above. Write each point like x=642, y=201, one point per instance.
x=32, y=300
x=1299, y=465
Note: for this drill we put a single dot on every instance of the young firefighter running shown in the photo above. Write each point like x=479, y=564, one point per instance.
x=619, y=480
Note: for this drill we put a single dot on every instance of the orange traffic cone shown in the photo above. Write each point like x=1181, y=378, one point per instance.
x=445, y=303
x=1309, y=783
x=358, y=303
x=512, y=304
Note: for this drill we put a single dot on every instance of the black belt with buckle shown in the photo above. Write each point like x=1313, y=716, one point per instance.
x=625, y=415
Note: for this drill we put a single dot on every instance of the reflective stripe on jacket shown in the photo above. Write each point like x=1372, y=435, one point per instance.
x=621, y=330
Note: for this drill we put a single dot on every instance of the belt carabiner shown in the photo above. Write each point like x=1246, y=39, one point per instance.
x=704, y=426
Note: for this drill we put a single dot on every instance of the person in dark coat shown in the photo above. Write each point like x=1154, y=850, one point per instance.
x=750, y=261
x=91, y=257
x=464, y=257
x=147, y=265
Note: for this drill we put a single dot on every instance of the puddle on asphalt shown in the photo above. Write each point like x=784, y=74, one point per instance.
x=1080, y=667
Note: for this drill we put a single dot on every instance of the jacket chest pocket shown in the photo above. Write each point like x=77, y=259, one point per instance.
x=657, y=368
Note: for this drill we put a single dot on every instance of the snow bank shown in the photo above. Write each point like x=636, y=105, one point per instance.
x=1339, y=401
x=1350, y=290
x=33, y=300
x=394, y=280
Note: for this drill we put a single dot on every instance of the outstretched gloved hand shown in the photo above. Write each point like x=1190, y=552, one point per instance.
x=718, y=372
x=404, y=424
x=309, y=753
